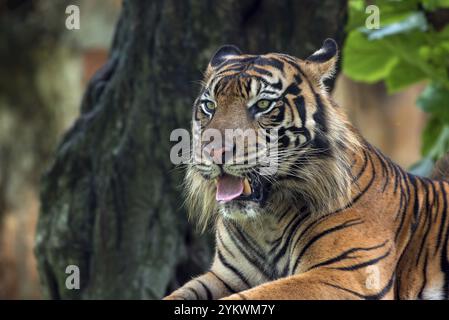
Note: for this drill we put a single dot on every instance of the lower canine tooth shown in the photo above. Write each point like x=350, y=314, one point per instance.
x=246, y=187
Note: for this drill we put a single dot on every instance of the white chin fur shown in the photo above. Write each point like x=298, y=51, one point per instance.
x=239, y=211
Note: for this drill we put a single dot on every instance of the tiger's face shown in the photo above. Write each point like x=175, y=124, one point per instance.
x=262, y=128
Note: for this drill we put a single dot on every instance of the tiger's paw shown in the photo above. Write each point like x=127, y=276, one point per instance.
x=173, y=297
x=236, y=296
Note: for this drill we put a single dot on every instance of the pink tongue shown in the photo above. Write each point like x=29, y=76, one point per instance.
x=228, y=188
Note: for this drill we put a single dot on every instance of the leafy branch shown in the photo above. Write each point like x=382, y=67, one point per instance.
x=411, y=46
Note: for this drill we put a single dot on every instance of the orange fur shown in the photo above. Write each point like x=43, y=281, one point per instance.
x=348, y=224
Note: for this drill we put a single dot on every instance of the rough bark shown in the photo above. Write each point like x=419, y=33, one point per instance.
x=111, y=201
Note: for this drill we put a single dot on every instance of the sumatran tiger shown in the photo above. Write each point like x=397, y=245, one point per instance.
x=336, y=219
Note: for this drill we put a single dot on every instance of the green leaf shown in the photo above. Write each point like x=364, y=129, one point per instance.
x=390, y=7
x=435, y=4
x=435, y=138
x=365, y=60
x=356, y=14
x=402, y=75
x=444, y=34
x=423, y=167
x=435, y=100
x=413, y=21
x=431, y=132
x=390, y=11
x=402, y=52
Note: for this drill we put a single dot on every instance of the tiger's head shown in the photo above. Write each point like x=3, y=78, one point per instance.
x=267, y=136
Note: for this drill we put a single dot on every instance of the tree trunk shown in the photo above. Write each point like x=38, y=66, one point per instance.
x=111, y=201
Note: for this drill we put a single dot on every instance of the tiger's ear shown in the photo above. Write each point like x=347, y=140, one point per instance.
x=225, y=52
x=323, y=62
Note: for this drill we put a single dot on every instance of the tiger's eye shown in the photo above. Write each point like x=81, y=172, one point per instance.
x=263, y=104
x=210, y=105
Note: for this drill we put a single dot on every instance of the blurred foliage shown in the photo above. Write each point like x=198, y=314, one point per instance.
x=411, y=45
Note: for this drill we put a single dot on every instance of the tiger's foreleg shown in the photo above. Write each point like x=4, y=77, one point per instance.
x=205, y=287
x=316, y=285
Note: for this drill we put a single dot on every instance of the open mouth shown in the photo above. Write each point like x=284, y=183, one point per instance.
x=248, y=188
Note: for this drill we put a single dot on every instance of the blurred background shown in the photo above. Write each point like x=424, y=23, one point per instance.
x=106, y=202
x=44, y=71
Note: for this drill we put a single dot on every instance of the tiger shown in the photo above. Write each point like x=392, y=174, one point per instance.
x=337, y=219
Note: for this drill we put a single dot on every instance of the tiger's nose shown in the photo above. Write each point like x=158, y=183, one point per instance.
x=221, y=155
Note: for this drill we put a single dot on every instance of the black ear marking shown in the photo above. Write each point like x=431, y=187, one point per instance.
x=223, y=52
x=326, y=53
x=322, y=64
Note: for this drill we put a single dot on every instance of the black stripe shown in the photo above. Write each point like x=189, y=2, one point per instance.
x=344, y=289
x=413, y=180
x=293, y=88
x=385, y=167
x=300, y=106
x=228, y=287
x=291, y=230
x=261, y=71
x=277, y=64
x=444, y=215
x=225, y=263
x=428, y=220
x=238, y=237
x=237, y=68
x=249, y=242
x=344, y=225
x=283, y=215
x=379, y=295
x=406, y=206
x=424, y=270
x=236, y=60
x=275, y=243
x=360, y=194
x=320, y=115
x=444, y=254
x=208, y=292
x=364, y=264
x=363, y=168
x=221, y=242
x=436, y=200
x=197, y=297
x=346, y=255
x=256, y=262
